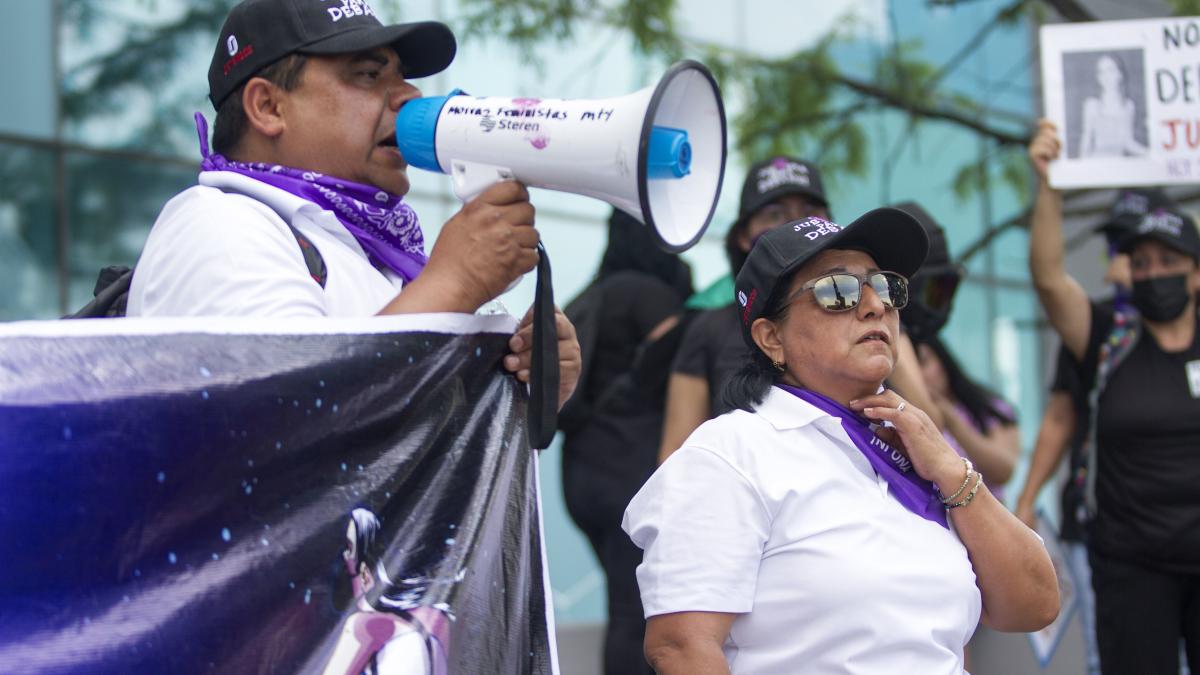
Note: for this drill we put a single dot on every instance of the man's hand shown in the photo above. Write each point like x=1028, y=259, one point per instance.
x=570, y=359
x=485, y=247
x=1044, y=148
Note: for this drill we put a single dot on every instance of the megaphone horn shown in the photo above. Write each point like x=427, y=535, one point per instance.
x=657, y=154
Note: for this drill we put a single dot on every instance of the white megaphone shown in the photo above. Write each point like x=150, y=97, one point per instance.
x=657, y=154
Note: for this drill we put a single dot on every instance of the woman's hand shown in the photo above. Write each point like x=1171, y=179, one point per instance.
x=915, y=434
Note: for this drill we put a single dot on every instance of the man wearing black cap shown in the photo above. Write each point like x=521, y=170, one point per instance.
x=1142, y=368
x=300, y=210
x=776, y=191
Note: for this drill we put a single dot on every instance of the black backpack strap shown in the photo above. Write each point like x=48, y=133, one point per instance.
x=112, y=293
x=312, y=257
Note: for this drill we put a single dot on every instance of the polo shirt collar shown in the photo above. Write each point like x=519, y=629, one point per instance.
x=285, y=204
x=785, y=411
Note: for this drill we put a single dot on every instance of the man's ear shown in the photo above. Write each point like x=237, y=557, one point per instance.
x=263, y=103
x=765, y=334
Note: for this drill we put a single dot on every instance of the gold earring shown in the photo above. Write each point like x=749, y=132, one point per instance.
x=778, y=366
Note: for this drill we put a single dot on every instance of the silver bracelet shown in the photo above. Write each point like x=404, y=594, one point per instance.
x=970, y=495
x=966, y=479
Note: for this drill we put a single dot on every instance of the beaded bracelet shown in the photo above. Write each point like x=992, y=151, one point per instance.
x=970, y=495
x=966, y=479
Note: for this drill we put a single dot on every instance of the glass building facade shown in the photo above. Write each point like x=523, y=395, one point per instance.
x=87, y=159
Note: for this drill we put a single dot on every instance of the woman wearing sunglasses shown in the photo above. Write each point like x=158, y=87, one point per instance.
x=825, y=526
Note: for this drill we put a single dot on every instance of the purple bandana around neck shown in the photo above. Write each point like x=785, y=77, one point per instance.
x=386, y=227
x=915, y=493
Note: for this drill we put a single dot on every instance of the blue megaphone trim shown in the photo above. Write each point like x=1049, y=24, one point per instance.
x=669, y=154
x=416, y=130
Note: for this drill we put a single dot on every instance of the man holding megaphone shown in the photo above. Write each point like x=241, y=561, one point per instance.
x=305, y=174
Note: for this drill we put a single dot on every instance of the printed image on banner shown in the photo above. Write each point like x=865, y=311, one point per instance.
x=1123, y=96
x=275, y=503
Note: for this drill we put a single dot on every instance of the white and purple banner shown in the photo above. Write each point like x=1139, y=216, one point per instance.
x=220, y=496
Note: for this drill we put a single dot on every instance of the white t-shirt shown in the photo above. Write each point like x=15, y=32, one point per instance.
x=777, y=517
x=223, y=248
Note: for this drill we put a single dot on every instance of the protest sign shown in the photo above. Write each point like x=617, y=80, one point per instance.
x=243, y=496
x=1124, y=96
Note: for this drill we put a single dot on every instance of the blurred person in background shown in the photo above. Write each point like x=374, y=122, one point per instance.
x=1064, y=423
x=977, y=423
x=775, y=191
x=1142, y=371
x=628, y=323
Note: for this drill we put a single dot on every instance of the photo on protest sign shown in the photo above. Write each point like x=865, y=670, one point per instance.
x=1123, y=96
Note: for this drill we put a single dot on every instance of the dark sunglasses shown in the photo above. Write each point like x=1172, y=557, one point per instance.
x=842, y=291
x=936, y=291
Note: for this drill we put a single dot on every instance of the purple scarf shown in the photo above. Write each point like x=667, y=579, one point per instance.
x=386, y=227
x=915, y=493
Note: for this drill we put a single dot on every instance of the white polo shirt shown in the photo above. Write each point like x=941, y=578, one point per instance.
x=777, y=517
x=222, y=248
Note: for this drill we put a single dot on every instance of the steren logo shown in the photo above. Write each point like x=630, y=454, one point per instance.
x=487, y=123
x=231, y=45
x=782, y=173
x=348, y=9
x=742, y=298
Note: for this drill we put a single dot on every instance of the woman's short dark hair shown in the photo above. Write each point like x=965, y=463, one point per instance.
x=747, y=387
x=230, y=125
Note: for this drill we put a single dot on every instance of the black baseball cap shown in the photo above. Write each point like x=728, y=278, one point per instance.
x=1169, y=226
x=258, y=33
x=1128, y=209
x=892, y=237
x=939, y=251
x=776, y=177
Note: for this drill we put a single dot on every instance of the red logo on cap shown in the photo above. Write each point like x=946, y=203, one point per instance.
x=749, y=304
x=238, y=58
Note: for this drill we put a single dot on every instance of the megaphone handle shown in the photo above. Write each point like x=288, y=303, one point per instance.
x=543, y=370
x=472, y=178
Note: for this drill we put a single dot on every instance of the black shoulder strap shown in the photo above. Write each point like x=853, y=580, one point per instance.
x=312, y=257
x=111, y=294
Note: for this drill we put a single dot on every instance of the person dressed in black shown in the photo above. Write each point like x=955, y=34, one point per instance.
x=978, y=424
x=1064, y=427
x=628, y=323
x=1142, y=370
x=776, y=191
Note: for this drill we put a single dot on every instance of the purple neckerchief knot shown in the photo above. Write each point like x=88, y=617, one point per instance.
x=386, y=227
x=913, y=492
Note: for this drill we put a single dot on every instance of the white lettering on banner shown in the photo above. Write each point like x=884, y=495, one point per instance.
x=816, y=227
x=1193, y=377
x=782, y=173
x=349, y=8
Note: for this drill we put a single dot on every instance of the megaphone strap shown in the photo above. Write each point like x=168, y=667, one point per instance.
x=543, y=371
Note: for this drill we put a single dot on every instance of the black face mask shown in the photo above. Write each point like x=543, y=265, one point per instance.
x=1161, y=298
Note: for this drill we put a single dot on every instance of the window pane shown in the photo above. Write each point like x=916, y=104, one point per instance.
x=27, y=239
x=113, y=202
x=27, y=106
